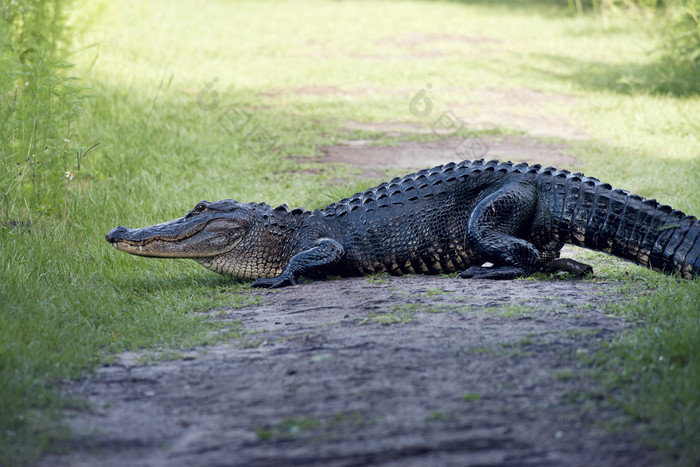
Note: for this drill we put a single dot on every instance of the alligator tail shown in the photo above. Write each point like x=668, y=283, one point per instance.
x=594, y=215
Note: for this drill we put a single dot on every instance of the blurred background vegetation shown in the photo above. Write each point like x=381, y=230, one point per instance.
x=39, y=101
x=677, y=67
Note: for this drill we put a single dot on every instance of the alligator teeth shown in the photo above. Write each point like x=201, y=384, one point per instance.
x=115, y=245
x=140, y=248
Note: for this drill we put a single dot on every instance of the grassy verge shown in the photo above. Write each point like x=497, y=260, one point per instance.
x=231, y=101
x=656, y=369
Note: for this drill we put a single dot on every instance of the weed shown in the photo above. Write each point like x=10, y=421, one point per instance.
x=565, y=375
x=379, y=278
x=434, y=292
x=289, y=428
x=405, y=313
x=583, y=333
x=435, y=416
x=397, y=315
x=516, y=311
x=297, y=427
x=521, y=349
x=471, y=397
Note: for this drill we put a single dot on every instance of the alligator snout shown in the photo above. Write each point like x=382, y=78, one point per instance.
x=116, y=234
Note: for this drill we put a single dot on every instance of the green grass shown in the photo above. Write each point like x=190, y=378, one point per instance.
x=471, y=397
x=397, y=314
x=657, y=368
x=70, y=301
x=304, y=427
x=288, y=428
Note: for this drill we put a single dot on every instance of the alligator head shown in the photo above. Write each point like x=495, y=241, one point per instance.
x=225, y=236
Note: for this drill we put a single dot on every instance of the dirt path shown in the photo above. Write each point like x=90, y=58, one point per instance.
x=412, y=155
x=391, y=371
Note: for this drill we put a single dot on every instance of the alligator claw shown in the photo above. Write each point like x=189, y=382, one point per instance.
x=568, y=265
x=274, y=282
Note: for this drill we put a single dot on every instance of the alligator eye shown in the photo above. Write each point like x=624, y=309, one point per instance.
x=200, y=207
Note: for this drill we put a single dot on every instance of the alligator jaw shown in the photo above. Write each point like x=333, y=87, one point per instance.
x=152, y=249
x=148, y=241
x=177, y=239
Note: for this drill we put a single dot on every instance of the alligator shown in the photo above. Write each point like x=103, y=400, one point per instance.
x=457, y=217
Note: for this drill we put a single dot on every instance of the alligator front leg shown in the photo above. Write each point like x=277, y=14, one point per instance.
x=493, y=228
x=323, y=252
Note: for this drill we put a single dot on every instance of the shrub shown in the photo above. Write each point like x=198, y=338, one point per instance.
x=680, y=64
x=677, y=70
x=38, y=103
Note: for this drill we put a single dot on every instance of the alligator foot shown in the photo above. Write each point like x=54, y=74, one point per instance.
x=274, y=282
x=568, y=265
x=495, y=272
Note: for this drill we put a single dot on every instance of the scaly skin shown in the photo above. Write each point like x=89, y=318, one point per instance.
x=450, y=218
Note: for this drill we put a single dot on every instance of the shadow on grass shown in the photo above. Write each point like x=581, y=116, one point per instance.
x=663, y=76
x=539, y=6
x=672, y=71
x=145, y=283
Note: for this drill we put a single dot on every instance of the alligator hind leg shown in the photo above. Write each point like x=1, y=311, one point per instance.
x=493, y=231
